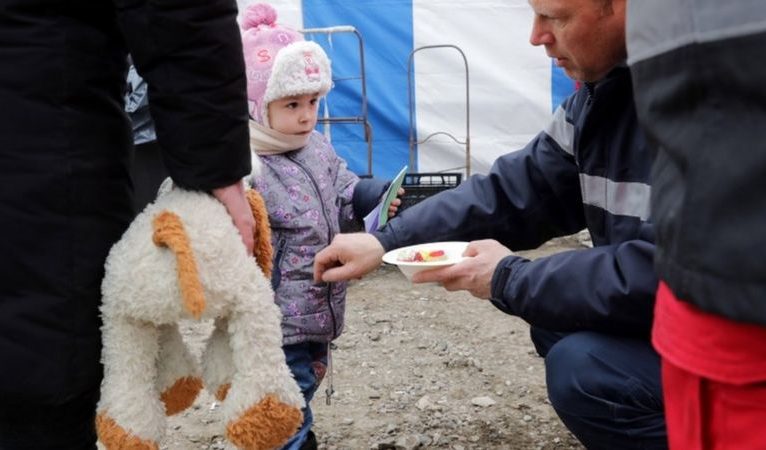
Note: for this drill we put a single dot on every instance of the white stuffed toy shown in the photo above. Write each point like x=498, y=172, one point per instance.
x=183, y=258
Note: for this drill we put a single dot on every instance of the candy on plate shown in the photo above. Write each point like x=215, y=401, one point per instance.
x=414, y=258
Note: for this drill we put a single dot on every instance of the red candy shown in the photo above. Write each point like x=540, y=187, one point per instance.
x=422, y=256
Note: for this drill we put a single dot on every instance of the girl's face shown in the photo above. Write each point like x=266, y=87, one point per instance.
x=294, y=115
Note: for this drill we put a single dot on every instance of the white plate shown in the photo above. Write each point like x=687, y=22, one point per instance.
x=454, y=251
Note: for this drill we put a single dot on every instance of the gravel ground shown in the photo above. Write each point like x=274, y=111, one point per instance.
x=417, y=367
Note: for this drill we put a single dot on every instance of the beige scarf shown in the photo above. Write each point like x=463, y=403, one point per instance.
x=268, y=141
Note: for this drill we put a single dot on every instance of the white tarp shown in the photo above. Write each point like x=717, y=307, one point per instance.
x=512, y=85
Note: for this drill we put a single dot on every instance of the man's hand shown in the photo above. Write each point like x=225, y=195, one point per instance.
x=233, y=198
x=473, y=274
x=348, y=256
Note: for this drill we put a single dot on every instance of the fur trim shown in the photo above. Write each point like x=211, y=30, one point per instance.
x=165, y=187
x=300, y=68
x=266, y=425
x=217, y=358
x=222, y=392
x=263, y=251
x=181, y=395
x=174, y=364
x=169, y=232
x=115, y=438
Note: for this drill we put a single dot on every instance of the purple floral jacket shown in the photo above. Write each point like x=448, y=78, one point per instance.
x=311, y=196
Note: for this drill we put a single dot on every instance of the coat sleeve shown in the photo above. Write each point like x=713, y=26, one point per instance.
x=608, y=288
x=346, y=183
x=190, y=54
x=367, y=194
x=528, y=197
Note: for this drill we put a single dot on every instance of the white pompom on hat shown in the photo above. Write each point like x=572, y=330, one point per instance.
x=279, y=62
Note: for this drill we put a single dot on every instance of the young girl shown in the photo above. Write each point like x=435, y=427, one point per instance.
x=309, y=192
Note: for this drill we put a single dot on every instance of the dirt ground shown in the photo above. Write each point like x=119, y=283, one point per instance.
x=417, y=367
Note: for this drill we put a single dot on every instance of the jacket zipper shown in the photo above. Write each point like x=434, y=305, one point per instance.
x=591, y=88
x=276, y=273
x=329, y=238
x=607, y=223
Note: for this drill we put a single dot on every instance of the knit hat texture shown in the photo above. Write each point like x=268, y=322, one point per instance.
x=279, y=62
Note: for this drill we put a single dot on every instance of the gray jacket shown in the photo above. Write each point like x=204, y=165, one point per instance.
x=311, y=196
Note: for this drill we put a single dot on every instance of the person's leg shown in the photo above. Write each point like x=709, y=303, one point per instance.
x=706, y=414
x=684, y=403
x=306, y=362
x=606, y=389
x=543, y=339
x=70, y=426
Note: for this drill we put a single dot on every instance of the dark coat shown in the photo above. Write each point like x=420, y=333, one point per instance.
x=589, y=168
x=703, y=104
x=65, y=145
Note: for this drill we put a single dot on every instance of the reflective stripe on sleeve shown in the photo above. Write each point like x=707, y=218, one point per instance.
x=561, y=131
x=618, y=198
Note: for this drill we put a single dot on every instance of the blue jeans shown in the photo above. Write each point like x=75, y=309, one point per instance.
x=606, y=389
x=307, y=361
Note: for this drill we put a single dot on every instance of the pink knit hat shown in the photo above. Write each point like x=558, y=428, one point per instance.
x=278, y=62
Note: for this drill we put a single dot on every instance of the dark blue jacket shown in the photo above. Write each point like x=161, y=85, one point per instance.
x=589, y=168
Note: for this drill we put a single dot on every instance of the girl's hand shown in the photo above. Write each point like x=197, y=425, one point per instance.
x=395, y=203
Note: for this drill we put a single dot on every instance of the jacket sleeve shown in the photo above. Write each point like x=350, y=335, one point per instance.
x=608, y=288
x=528, y=197
x=346, y=183
x=190, y=54
x=367, y=194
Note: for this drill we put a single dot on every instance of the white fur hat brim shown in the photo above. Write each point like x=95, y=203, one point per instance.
x=299, y=68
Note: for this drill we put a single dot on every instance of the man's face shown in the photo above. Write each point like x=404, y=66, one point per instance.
x=586, y=37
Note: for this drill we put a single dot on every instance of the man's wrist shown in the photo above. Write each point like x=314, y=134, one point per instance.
x=501, y=276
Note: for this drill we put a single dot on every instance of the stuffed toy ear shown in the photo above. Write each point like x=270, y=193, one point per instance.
x=169, y=232
x=262, y=250
x=165, y=187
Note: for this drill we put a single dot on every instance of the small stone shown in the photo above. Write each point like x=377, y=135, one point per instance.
x=424, y=403
x=482, y=401
x=409, y=442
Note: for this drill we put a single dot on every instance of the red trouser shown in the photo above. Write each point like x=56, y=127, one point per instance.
x=703, y=414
